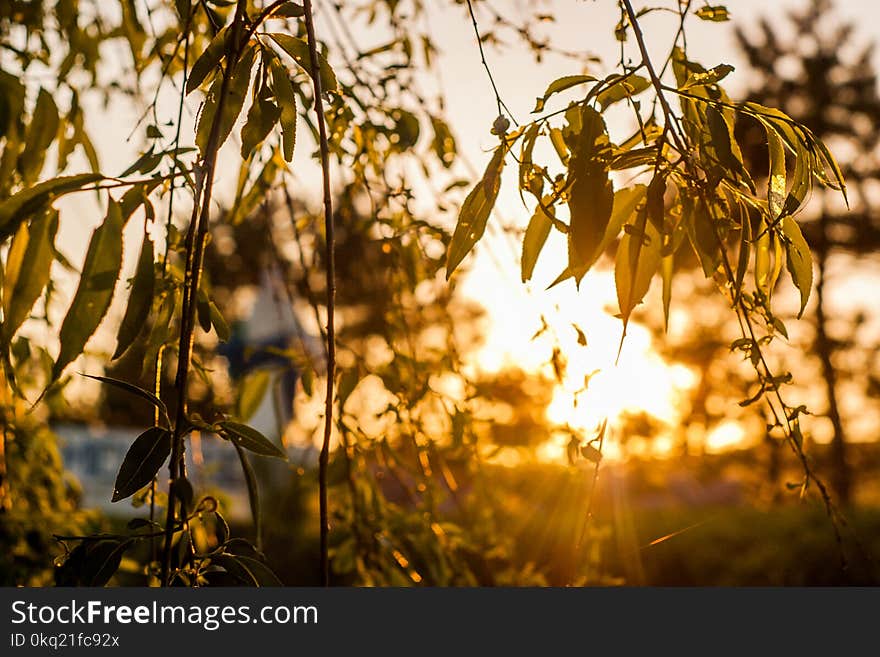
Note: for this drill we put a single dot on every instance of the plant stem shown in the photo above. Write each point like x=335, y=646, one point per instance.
x=195, y=251
x=331, y=291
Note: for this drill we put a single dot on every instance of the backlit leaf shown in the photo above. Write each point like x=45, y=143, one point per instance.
x=286, y=98
x=536, y=235
x=250, y=439
x=95, y=291
x=140, y=299
x=799, y=260
x=251, y=393
x=32, y=200
x=142, y=461
x=299, y=51
x=36, y=265
x=591, y=195
x=474, y=213
x=207, y=61
x=638, y=256
x=561, y=84
x=716, y=13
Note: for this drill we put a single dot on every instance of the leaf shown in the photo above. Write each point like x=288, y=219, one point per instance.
x=443, y=143
x=626, y=201
x=248, y=570
x=776, y=182
x=591, y=195
x=701, y=233
x=799, y=260
x=474, y=213
x=561, y=84
x=207, y=61
x=253, y=489
x=725, y=145
x=715, y=13
x=40, y=133
x=762, y=262
x=622, y=87
x=286, y=98
x=95, y=291
x=638, y=256
x=36, y=265
x=251, y=393
x=134, y=390
x=219, y=324
x=667, y=263
x=348, y=381
x=536, y=235
x=142, y=461
x=713, y=76
x=261, y=118
x=140, y=300
x=229, y=106
x=102, y=560
x=299, y=50
x=250, y=439
x=288, y=10
x=30, y=201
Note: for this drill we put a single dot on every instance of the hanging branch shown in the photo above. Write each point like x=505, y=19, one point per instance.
x=195, y=250
x=331, y=291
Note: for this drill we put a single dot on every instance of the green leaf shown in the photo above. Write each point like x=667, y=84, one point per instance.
x=261, y=118
x=251, y=393
x=40, y=134
x=621, y=87
x=250, y=439
x=725, y=145
x=288, y=10
x=284, y=94
x=536, y=235
x=142, y=461
x=443, y=143
x=134, y=390
x=32, y=200
x=561, y=84
x=701, y=233
x=474, y=213
x=638, y=256
x=713, y=76
x=248, y=570
x=140, y=300
x=219, y=324
x=299, y=50
x=776, y=183
x=229, y=106
x=37, y=265
x=626, y=201
x=95, y=291
x=253, y=488
x=667, y=271
x=207, y=61
x=102, y=560
x=799, y=260
x=715, y=13
x=348, y=381
x=591, y=195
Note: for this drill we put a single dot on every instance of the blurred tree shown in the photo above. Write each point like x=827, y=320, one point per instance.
x=811, y=71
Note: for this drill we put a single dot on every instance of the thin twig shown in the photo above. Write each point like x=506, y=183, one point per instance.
x=329, y=245
x=486, y=66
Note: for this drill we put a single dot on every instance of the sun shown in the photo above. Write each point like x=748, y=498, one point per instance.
x=525, y=325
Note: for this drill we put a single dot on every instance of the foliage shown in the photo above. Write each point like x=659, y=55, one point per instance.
x=260, y=65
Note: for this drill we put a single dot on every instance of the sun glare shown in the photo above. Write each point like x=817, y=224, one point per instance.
x=595, y=384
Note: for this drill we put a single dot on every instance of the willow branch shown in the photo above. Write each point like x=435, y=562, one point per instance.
x=330, y=255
